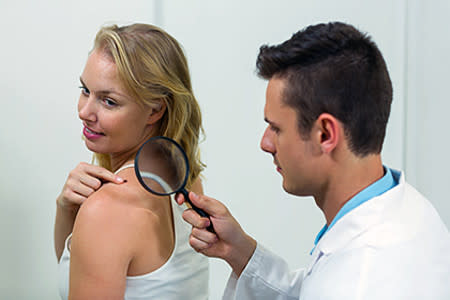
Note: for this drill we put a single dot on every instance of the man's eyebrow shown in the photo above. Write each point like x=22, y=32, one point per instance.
x=269, y=122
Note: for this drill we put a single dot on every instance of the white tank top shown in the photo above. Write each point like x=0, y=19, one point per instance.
x=185, y=274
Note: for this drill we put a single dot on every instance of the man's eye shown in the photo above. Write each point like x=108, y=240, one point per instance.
x=84, y=91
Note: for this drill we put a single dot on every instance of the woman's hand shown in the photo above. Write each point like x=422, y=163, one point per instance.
x=82, y=181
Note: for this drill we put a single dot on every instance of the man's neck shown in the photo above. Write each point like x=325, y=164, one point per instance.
x=347, y=180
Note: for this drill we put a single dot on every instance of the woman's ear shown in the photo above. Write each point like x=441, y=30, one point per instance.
x=329, y=129
x=156, y=113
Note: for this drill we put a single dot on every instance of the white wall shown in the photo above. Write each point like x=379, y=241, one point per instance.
x=43, y=50
x=427, y=108
x=44, y=45
x=222, y=41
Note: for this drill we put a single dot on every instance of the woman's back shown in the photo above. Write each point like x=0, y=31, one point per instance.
x=123, y=230
x=184, y=275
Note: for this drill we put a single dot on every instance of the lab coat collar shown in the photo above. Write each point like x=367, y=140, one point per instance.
x=356, y=222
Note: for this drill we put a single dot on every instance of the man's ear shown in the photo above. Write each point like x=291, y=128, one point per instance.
x=329, y=132
x=156, y=113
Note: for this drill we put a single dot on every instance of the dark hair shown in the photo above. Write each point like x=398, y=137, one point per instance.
x=333, y=68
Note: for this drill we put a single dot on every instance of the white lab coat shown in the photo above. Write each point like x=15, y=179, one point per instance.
x=392, y=247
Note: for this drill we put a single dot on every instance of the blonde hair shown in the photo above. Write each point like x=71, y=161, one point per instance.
x=153, y=69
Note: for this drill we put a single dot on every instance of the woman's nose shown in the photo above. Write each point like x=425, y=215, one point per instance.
x=86, y=109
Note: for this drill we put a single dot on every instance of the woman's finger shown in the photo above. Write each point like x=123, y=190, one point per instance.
x=102, y=173
x=70, y=198
x=90, y=181
x=83, y=190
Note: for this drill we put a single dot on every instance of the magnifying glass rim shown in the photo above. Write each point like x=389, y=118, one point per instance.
x=141, y=180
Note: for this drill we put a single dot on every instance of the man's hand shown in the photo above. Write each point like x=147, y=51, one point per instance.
x=229, y=241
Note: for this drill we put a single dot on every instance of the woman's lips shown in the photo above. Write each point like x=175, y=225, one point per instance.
x=90, y=134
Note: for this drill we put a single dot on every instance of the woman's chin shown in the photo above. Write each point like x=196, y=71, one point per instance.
x=94, y=148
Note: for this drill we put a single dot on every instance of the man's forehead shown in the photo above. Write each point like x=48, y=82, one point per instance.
x=275, y=86
x=275, y=95
x=276, y=111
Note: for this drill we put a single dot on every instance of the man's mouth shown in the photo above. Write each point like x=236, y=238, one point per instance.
x=277, y=165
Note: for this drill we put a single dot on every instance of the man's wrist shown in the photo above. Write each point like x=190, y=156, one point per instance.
x=242, y=255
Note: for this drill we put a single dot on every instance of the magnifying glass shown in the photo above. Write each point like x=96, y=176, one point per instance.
x=162, y=168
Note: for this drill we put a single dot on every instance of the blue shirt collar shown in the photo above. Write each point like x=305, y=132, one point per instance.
x=375, y=189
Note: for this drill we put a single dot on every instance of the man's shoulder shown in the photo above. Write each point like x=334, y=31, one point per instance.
x=405, y=219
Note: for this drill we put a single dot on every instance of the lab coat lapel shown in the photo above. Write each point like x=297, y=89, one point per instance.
x=349, y=230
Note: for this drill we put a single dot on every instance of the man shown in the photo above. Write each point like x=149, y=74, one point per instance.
x=327, y=105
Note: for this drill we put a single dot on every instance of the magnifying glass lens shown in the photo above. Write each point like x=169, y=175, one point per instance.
x=162, y=166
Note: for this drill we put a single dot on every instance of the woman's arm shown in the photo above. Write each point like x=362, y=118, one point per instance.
x=102, y=248
x=64, y=220
x=80, y=184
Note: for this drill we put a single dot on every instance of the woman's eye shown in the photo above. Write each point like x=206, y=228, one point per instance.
x=109, y=102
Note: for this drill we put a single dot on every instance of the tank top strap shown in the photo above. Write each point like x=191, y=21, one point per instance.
x=124, y=167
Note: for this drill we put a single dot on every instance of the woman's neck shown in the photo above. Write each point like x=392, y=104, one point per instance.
x=119, y=160
x=122, y=158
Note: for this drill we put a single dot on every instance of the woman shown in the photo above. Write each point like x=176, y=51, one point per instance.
x=123, y=242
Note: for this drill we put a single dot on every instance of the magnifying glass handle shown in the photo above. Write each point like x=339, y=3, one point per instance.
x=201, y=212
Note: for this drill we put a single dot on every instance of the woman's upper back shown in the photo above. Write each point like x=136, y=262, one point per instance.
x=185, y=275
x=126, y=240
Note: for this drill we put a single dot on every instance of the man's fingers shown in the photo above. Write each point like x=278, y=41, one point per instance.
x=190, y=216
x=197, y=244
x=204, y=235
x=179, y=198
x=209, y=205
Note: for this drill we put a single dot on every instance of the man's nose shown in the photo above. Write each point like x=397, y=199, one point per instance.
x=266, y=142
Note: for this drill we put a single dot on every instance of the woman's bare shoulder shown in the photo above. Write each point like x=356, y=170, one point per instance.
x=105, y=236
x=122, y=203
x=123, y=217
